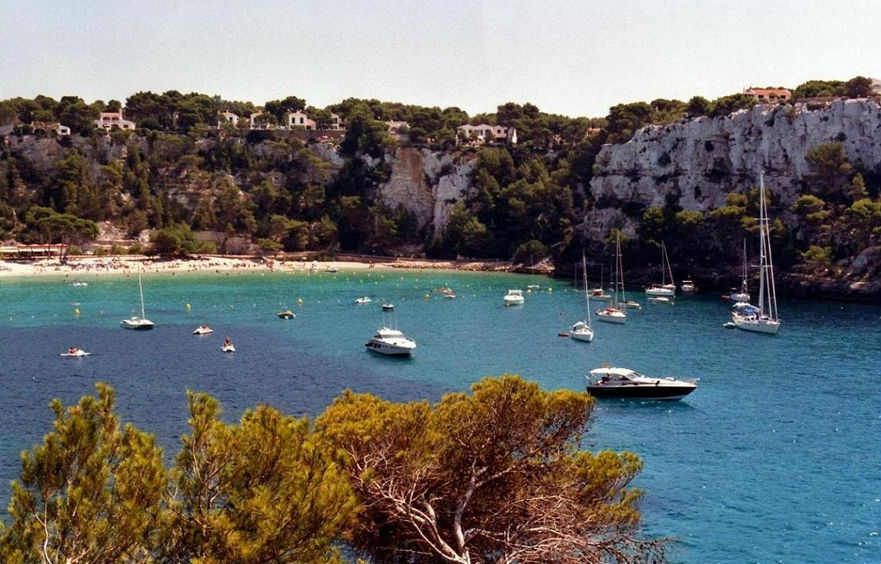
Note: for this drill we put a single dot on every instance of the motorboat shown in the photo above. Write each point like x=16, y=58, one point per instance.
x=388, y=307
x=688, y=287
x=363, y=300
x=78, y=284
x=533, y=287
x=447, y=292
x=331, y=269
x=203, y=330
x=664, y=288
x=581, y=330
x=135, y=322
x=762, y=318
x=624, y=383
x=227, y=346
x=390, y=342
x=660, y=300
x=286, y=314
x=75, y=352
x=514, y=297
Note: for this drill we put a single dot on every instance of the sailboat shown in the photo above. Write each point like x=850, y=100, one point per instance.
x=613, y=313
x=598, y=294
x=134, y=322
x=664, y=288
x=743, y=294
x=581, y=330
x=762, y=319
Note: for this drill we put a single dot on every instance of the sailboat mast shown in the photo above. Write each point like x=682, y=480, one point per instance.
x=620, y=267
x=762, y=259
x=768, y=263
x=141, y=291
x=584, y=276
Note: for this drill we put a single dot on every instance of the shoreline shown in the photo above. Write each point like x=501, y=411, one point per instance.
x=91, y=266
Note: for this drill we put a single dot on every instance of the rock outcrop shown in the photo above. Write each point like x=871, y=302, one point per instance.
x=696, y=163
x=427, y=184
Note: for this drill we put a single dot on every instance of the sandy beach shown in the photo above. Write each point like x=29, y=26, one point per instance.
x=87, y=266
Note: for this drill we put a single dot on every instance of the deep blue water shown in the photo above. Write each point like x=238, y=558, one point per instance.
x=775, y=458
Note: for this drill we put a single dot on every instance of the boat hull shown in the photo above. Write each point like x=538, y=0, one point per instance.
x=765, y=326
x=608, y=317
x=388, y=349
x=584, y=335
x=138, y=325
x=640, y=392
x=660, y=292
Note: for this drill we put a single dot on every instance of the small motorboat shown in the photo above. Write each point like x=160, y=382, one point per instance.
x=202, y=330
x=688, y=287
x=227, y=346
x=75, y=352
x=388, y=307
x=448, y=293
x=331, y=269
x=286, y=314
x=390, y=342
x=623, y=383
x=533, y=287
x=363, y=300
x=660, y=300
x=514, y=298
x=78, y=284
x=729, y=325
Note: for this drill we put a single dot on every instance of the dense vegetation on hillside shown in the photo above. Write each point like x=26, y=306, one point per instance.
x=179, y=173
x=494, y=475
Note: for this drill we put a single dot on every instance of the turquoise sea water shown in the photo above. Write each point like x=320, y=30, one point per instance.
x=775, y=458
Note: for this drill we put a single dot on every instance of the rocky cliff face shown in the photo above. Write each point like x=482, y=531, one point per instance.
x=696, y=163
x=428, y=184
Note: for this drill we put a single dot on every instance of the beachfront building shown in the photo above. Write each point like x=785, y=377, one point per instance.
x=113, y=120
x=768, y=95
x=485, y=133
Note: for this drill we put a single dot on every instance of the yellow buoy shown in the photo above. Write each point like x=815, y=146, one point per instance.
x=300, y=301
x=188, y=306
x=76, y=311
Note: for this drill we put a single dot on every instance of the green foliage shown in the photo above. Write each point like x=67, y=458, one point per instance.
x=495, y=475
x=90, y=493
x=176, y=239
x=260, y=491
x=697, y=106
x=830, y=170
x=818, y=89
x=730, y=104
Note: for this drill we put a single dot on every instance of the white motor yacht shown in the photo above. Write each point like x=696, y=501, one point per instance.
x=203, y=330
x=624, y=383
x=390, y=342
x=514, y=297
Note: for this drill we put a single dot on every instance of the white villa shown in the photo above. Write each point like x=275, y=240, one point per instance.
x=113, y=120
x=485, y=133
x=227, y=118
x=299, y=119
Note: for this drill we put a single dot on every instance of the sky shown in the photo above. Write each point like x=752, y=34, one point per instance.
x=574, y=58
